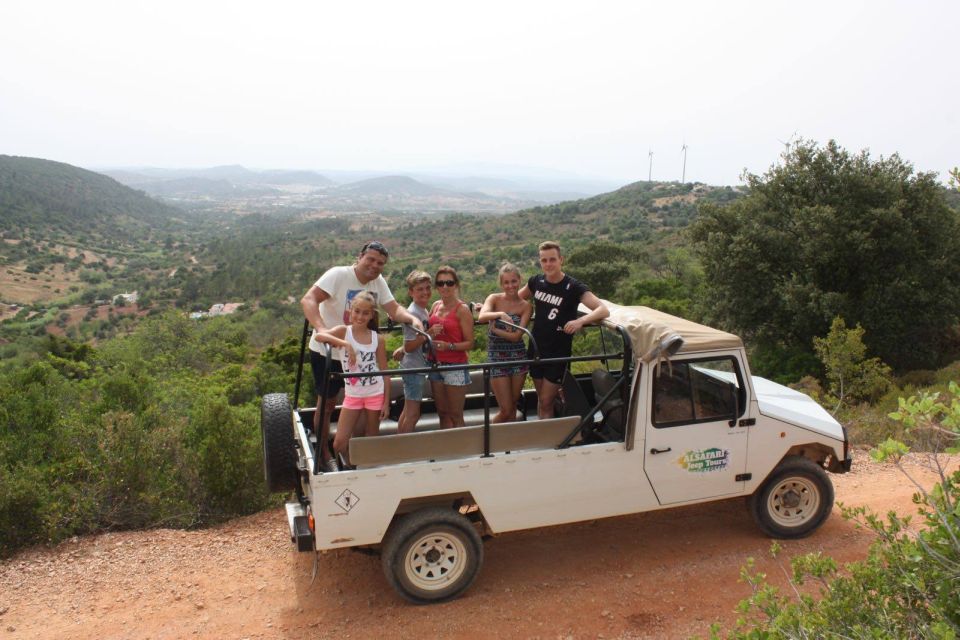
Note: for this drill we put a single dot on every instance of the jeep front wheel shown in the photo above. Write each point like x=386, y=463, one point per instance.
x=794, y=501
x=432, y=555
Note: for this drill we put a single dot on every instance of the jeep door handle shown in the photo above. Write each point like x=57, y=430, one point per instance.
x=656, y=451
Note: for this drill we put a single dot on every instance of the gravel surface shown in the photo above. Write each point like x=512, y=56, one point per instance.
x=664, y=574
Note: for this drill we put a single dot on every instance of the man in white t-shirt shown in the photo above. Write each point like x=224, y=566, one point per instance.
x=326, y=305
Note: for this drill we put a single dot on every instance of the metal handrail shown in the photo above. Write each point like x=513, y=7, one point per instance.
x=432, y=349
x=303, y=345
x=533, y=342
x=625, y=355
x=317, y=454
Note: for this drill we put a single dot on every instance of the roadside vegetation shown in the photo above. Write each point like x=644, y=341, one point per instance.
x=839, y=270
x=909, y=584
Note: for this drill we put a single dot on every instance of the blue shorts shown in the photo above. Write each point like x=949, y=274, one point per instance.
x=457, y=378
x=413, y=386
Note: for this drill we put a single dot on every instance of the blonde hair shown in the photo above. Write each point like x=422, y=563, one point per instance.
x=416, y=277
x=549, y=244
x=508, y=267
x=364, y=296
x=367, y=297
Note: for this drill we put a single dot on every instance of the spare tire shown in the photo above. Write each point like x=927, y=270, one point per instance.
x=279, y=448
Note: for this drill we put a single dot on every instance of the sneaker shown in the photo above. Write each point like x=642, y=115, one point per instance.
x=330, y=466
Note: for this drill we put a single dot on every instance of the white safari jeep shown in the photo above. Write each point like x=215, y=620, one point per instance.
x=681, y=421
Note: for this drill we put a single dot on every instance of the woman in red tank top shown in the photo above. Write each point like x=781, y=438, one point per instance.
x=451, y=327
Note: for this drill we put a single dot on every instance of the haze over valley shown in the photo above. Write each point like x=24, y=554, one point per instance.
x=241, y=190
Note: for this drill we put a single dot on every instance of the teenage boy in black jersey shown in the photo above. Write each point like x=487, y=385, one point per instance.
x=556, y=297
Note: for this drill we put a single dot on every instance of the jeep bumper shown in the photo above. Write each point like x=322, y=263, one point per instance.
x=299, y=522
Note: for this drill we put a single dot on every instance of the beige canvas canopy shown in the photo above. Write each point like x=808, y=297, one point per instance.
x=649, y=328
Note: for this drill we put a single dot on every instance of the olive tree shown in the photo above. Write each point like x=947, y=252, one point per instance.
x=828, y=233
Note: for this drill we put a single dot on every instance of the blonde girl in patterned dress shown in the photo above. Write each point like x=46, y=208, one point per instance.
x=504, y=343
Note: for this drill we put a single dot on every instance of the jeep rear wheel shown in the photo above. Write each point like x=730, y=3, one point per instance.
x=279, y=449
x=432, y=555
x=794, y=501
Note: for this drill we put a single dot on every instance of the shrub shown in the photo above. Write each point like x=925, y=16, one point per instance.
x=851, y=376
x=908, y=585
x=226, y=442
x=146, y=430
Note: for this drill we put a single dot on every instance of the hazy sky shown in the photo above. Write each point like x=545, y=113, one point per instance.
x=580, y=87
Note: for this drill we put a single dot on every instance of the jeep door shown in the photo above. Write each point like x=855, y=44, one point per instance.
x=695, y=446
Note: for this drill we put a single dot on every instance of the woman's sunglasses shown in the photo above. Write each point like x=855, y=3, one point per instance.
x=446, y=283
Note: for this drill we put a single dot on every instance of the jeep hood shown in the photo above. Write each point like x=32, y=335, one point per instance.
x=793, y=407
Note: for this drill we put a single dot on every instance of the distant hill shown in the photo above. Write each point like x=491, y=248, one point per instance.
x=521, y=189
x=37, y=193
x=275, y=190
x=279, y=176
x=264, y=261
x=232, y=173
x=235, y=175
x=195, y=186
x=633, y=213
x=392, y=185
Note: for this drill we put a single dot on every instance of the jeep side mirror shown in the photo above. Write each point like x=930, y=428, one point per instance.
x=667, y=346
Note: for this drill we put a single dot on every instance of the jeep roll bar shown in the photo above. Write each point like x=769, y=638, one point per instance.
x=626, y=373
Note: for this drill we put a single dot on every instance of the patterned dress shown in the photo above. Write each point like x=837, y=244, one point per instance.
x=502, y=350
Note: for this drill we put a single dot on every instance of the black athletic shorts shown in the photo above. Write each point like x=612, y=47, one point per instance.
x=318, y=364
x=552, y=371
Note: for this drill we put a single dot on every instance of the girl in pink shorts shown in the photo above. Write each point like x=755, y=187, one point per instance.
x=365, y=352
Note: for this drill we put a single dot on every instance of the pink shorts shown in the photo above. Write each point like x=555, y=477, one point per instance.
x=373, y=403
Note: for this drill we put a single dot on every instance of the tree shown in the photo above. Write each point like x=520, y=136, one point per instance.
x=602, y=265
x=827, y=233
x=851, y=376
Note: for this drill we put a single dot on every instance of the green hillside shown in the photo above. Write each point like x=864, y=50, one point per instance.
x=635, y=212
x=57, y=197
x=73, y=236
x=68, y=235
x=274, y=259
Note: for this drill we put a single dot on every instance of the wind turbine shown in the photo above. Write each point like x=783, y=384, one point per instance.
x=786, y=145
x=683, y=149
x=650, y=173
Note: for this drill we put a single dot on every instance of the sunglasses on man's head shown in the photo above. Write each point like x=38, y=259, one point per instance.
x=446, y=283
x=376, y=246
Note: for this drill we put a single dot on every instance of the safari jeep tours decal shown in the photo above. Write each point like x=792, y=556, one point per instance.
x=699, y=461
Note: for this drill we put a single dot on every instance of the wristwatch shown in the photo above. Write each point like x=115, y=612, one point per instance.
x=450, y=346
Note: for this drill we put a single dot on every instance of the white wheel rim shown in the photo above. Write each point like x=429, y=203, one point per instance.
x=793, y=502
x=435, y=561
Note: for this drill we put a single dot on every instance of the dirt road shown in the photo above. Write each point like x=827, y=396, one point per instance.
x=667, y=574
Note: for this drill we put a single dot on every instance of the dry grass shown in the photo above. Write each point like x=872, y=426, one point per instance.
x=79, y=312
x=687, y=197
x=21, y=287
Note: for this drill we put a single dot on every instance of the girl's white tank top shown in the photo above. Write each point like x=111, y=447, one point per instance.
x=366, y=361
